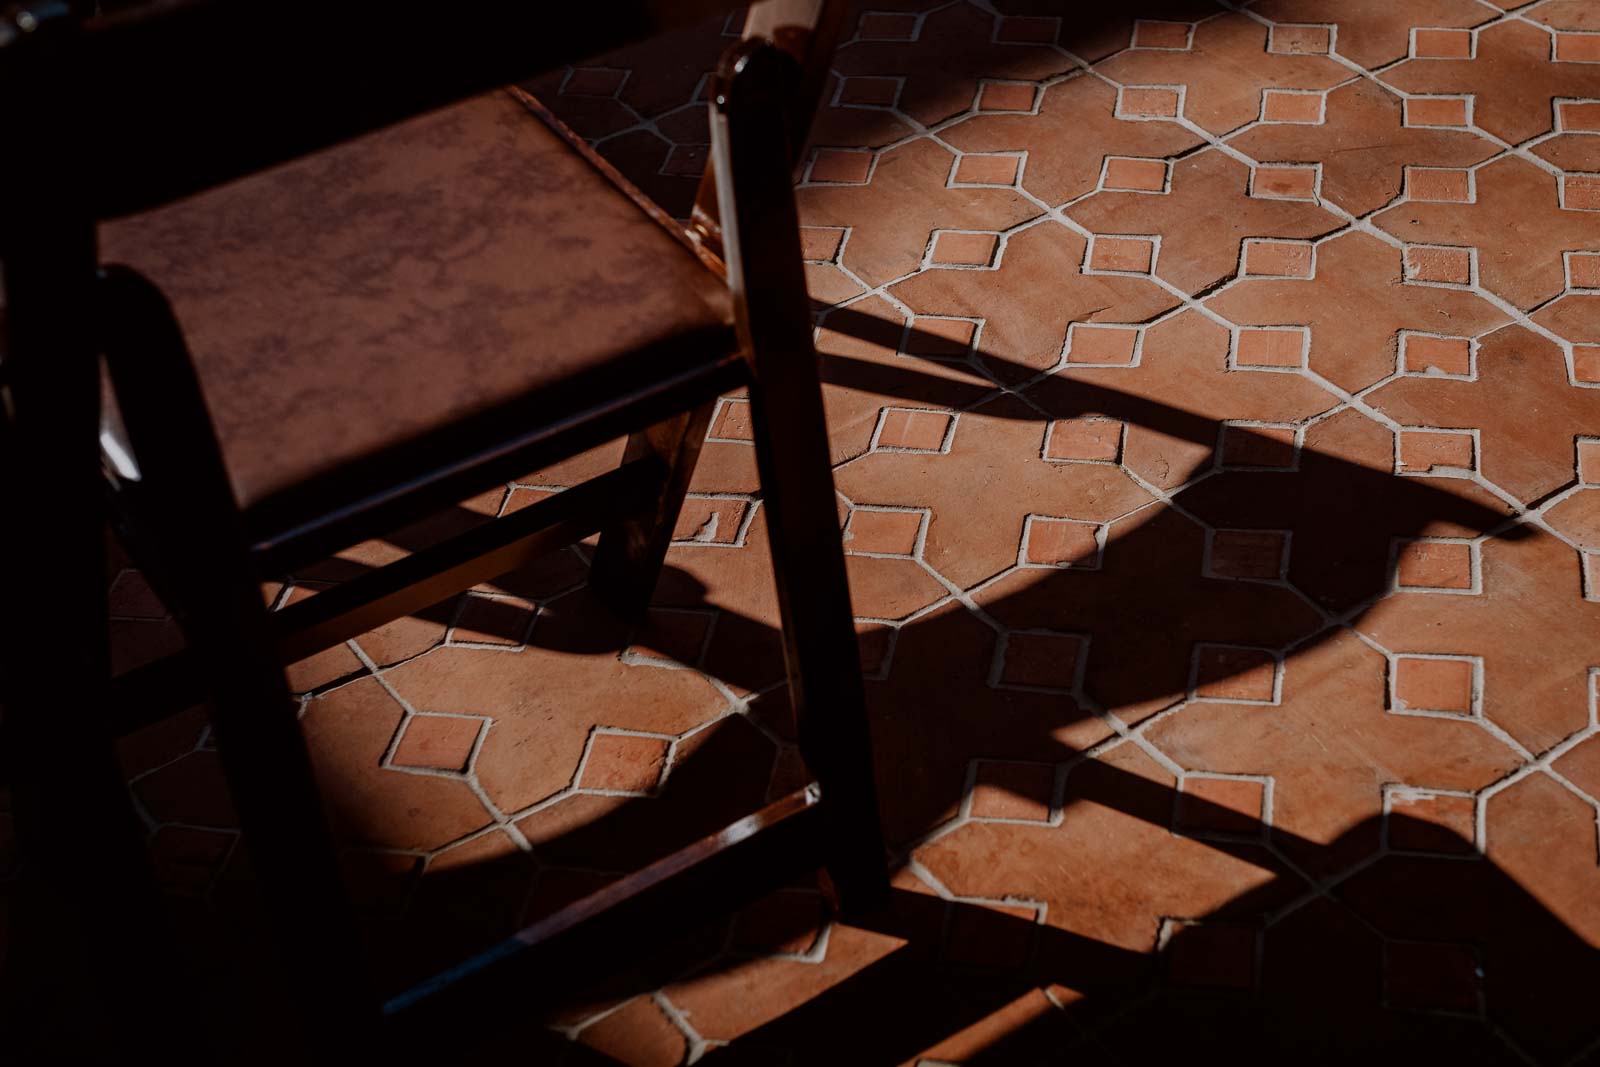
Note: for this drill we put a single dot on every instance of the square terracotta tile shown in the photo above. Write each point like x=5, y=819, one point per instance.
x=1127, y=255
x=1578, y=47
x=687, y=161
x=1443, y=111
x=869, y=92
x=1271, y=346
x=1260, y=554
x=1422, y=354
x=784, y=923
x=952, y=248
x=1580, y=192
x=130, y=597
x=1432, y=822
x=1441, y=185
x=1441, y=44
x=1047, y=660
x=886, y=26
x=1061, y=542
x=1439, y=264
x=1586, y=363
x=1422, y=451
x=1147, y=102
x=1582, y=116
x=1258, y=446
x=732, y=421
x=1426, y=683
x=437, y=742
x=1089, y=439
x=1588, y=449
x=1007, y=96
x=1435, y=565
x=838, y=166
x=913, y=430
x=1421, y=976
x=1116, y=346
x=711, y=520
x=1212, y=955
x=1283, y=182
x=1027, y=29
x=1135, y=175
x=624, y=763
x=987, y=170
x=1013, y=791
x=1221, y=805
x=593, y=81
x=991, y=936
x=1282, y=105
x=1232, y=673
x=821, y=244
x=1279, y=259
x=493, y=620
x=672, y=635
x=1172, y=36
x=940, y=338
x=1299, y=40
x=887, y=533
x=1583, y=270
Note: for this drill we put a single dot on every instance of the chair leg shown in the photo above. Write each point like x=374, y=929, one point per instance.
x=86, y=899
x=820, y=645
x=631, y=554
x=232, y=642
x=792, y=455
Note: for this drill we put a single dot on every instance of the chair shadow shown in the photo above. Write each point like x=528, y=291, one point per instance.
x=886, y=1005
x=949, y=967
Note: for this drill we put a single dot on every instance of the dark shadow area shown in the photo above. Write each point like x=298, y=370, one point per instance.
x=962, y=966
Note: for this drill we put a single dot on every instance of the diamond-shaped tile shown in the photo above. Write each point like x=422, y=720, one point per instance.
x=1435, y=565
x=1221, y=805
x=437, y=742
x=1041, y=659
x=1089, y=439
x=1062, y=542
x=1248, y=553
x=1434, y=684
x=1228, y=672
x=1013, y=791
x=1212, y=955
x=624, y=763
x=493, y=620
x=1432, y=822
x=883, y=532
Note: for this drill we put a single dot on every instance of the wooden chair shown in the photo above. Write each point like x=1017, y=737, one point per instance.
x=349, y=288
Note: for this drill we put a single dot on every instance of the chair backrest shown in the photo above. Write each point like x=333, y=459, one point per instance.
x=175, y=96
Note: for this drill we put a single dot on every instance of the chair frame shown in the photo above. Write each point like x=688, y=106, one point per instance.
x=237, y=650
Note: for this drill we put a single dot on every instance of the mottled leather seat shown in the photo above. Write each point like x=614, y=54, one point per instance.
x=429, y=281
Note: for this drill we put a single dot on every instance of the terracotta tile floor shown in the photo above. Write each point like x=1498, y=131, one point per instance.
x=1215, y=395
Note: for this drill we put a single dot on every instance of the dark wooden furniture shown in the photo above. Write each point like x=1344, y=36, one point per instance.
x=339, y=300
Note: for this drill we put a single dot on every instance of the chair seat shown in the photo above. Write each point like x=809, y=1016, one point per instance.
x=470, y=249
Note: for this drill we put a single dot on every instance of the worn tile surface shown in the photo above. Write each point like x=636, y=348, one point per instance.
x=1215, y=399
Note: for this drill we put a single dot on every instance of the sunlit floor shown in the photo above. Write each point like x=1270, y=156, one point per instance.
x=1215, y=397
